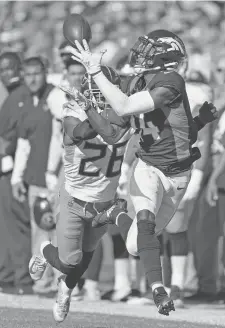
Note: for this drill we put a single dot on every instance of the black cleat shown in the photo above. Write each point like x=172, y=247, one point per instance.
x=162, y=301
x=109, y=216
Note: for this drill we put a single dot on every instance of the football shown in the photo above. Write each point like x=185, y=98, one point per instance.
x=76, y=27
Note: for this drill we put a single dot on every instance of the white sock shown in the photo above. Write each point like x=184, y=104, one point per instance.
x=178, y=266
x=45, y=243
x=91, y=284
x=122, y=274
x=156, y=285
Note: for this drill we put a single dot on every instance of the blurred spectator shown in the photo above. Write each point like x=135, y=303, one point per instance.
x=15, y=231
x=39, y=24
x=215, y=196
x=203, y=235
x=30, y=176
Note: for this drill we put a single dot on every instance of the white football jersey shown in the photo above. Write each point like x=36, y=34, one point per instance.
x=93, y=168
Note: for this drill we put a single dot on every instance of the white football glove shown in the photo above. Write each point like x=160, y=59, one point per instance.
x=76, y=96
x=92, y=62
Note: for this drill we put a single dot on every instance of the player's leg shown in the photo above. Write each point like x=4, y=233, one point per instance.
x=177, y=228
x=178, y=241
x=75, y=250
x=92, y=274
x=147, y=192
x=122, y=286
x=69, y=230
x=67, y=257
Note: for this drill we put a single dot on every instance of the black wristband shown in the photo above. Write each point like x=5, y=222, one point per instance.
x=199, y=122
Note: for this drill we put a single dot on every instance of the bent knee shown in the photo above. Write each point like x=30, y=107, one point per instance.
x=72, y=258
x=131, y=243
x=145, y=215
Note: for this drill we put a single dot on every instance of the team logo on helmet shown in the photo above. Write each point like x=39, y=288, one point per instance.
x=173, y=43
x=158, y=51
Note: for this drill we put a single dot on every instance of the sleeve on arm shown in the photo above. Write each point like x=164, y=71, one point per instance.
x=170, y=80
x=20, y=162
x=122, y=121
x=55, y=148
x=172, y=86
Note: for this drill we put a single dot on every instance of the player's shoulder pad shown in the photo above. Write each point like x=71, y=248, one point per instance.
x=122, y=121
x=79, y=113
x=133, y=84
x=69, y=123
x=167, y=80
x=55, y=101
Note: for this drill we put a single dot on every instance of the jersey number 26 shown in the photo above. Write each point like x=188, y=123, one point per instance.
x=110, y=173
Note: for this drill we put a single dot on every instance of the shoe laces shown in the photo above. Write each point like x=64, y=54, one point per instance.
x=110, y=210
x=62, y=303
x=62, y=300
x=40, y=263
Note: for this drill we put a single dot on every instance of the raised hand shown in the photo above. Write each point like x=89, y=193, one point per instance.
x=83, y=55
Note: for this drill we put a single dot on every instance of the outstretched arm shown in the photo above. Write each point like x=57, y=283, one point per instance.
x=141, y=102
x=111, y=133
x=77, y=130
x=107, y=124
x=138, y=103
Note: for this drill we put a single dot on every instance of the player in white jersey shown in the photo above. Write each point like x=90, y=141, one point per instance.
x=92, y=170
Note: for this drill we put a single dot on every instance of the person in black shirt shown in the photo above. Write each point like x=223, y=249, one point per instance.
x=15, y=231
x=35, y=129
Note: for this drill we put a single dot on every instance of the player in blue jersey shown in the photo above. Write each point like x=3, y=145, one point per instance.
x=160, y=109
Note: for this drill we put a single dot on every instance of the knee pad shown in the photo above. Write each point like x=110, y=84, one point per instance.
x=178, y=243
x=145, y=222
x=146, y=216
x=119, y=247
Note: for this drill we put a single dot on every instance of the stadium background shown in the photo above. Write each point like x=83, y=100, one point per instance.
x=35, y=28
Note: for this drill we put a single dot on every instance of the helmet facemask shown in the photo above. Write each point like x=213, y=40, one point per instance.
x=93, y=94
x=91, y=91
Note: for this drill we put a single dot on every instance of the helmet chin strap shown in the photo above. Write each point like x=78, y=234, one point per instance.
x=93, y=100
